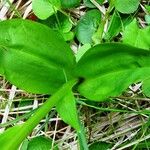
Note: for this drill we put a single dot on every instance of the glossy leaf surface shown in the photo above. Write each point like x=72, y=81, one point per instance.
x=127, y=6
x=45, y=8
x=108, y=69
x=137, y=37
x=32, y=59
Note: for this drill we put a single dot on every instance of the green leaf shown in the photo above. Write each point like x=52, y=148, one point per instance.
x=135, y=36
x=67, y=110
x=20, y=132
x=127, y=6
x=35, y=58
x=1, y=60
x=89, y=4
x=147, y=19
x=68, y=36
x=100, y=145
x=87, y=26
x=59, y=22
x=24, y=145
x=70, y=3
x=82, y=50
x=115, y=25
x=108, y=69
x=45, y=8
x=41, y=143
x=147, y=7
x=6, y=140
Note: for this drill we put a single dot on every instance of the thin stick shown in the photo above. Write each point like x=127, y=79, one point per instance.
x=8, y=106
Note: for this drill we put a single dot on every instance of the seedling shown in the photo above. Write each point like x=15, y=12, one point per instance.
x=37, y=59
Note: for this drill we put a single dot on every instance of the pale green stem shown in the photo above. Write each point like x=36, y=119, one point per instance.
x=34, y=120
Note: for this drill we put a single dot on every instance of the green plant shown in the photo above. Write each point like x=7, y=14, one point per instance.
x=43, y=63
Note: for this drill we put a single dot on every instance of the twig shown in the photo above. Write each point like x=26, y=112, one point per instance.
x=8, y=106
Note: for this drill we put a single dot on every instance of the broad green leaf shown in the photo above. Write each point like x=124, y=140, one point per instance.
x=100, y=145
x=41, y=143
x=45, y=8
x=115, y=25
x=35, y=58
x=89, y=4
x=67, y=110
x=108, y=69
x=15, y=135
x=127, y=6
x=70, y=3
x=87, y=26
x=135, y=36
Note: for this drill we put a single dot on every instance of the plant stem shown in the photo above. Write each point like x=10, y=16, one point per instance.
x=33, y=121
x=82, y=138
x=98, y=36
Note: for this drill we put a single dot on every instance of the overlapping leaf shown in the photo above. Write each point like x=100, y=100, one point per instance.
x=127, y=6
x=114, y=27
x=67, y=110
x=45, y=8
x=63, y=26
x=108, y=69
x=135, y=36
x=89, y=4
x=87, y=26
x=35, y=58
x=41, y=143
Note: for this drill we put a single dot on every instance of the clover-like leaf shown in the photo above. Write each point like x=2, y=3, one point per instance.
x=87, y=26
x=127, y=6
x=45, y=8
